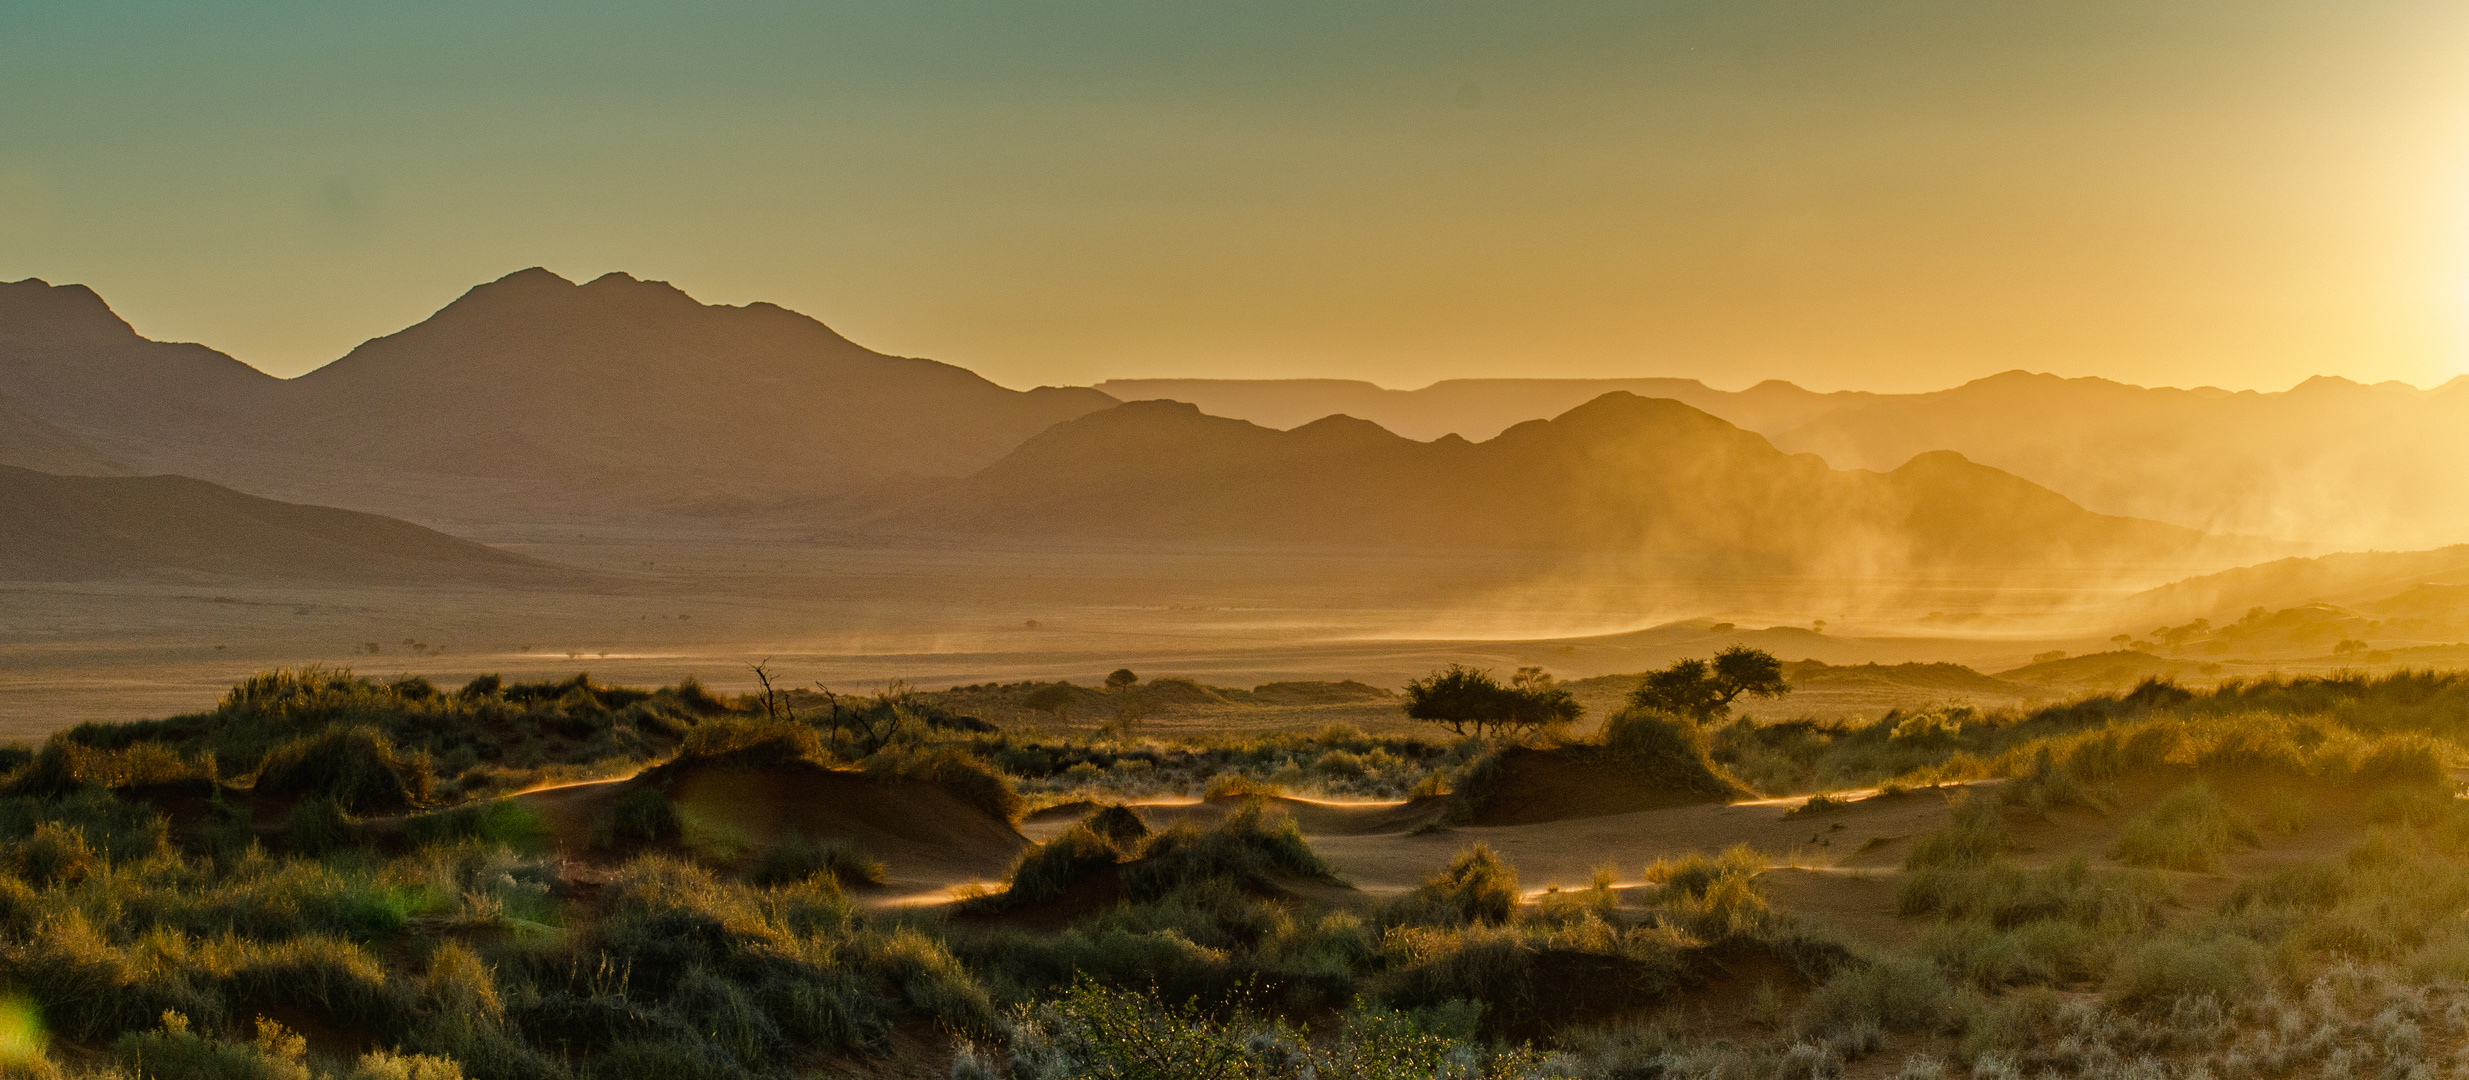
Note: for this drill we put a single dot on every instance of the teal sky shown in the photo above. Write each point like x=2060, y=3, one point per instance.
x=1888, y=195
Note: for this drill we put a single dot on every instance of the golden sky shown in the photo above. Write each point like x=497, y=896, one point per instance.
x=1885, y=195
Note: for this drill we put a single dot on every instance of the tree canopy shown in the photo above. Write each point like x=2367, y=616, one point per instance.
x=1704, y=690
x=1464, y=697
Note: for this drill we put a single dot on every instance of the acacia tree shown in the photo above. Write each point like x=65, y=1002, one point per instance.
x=1128, y=704
x=1704, y=690
x=1460, y=697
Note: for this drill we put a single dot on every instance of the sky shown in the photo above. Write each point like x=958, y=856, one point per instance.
x=1866, y=194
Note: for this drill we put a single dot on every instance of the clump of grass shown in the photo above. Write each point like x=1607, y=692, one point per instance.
x=2287, y=813
x=1049, y=870
x=1251, y=847
x=1673, y=752
x=356, y=765
x=955, y=770
x=1714, y=895
x=1974, y=833
x=2172, y=967
x=1118, y=823
x=752, y=742
x=1235, y=785
x=641, y=816
x=2190, y=829
x=1477, y=887
x=2412, y=805
x=798, y=857
x=1820, y=804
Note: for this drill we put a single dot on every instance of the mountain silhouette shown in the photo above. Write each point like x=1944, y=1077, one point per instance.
x=1618, y=473
x=530, y=391
x=1476, y=408
x=88, y=527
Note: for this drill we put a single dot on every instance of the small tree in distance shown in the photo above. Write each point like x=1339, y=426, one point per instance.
x=1704, y=690
x=1055, y=700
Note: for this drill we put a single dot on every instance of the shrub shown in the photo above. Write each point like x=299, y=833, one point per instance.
x=2162, y=969
x=2190, y=829
x=1892, y=992
x=173, y=1052
x=1670, y=751
x=1250, y=847
x=955, y=770
x=1052, y=868
x=1478, y=886
x=641, y=816
x=1975, y=833
x=1118, y=823
x=798, y=857
x=357, y=766
x=753, y=742
x=1713, y=894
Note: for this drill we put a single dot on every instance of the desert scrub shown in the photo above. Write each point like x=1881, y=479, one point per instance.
x=1477, y=887
x=2190, y=829
x=1713, y=895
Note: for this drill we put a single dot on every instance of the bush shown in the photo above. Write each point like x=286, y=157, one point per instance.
x=1476, y=887
x=753, y=742
x=2161, y=970
x=1250, y=847
x=798, y=857
x=955, y=770
x=1975, y=833
x=1050, y=869
x=641, y=816
x=1119, y=824
x=1671, y=751
x=1713, y=895
x=173, y=1052
x=2190, y=829
x=357, y=766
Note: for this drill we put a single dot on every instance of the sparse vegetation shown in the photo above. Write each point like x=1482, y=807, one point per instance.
x=402, y=928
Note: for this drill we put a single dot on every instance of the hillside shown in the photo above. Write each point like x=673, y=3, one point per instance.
x=530, y=391
x=81, y=528
x=1620, y=473
x=2351, y=578
x=30, y=442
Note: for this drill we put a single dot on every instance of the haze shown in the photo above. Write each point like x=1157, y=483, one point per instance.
x=1895, y=196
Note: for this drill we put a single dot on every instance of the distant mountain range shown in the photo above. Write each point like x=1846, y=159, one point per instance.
x=528, y=394
x=2330, y=461
x=1618, y=473
x=532, y=398
x=71, y=528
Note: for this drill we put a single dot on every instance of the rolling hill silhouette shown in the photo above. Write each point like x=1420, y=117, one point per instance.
x=70, y=528
x=529, y=389
x=1620, y=472
x=1477, y=408
x=2328, y=461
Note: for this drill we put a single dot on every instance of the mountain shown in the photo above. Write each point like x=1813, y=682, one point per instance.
x=2330, y=460
x=66, y=528
x=1474, y=408
x=30, y=442
x=1618, y=473
x=527, y=392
